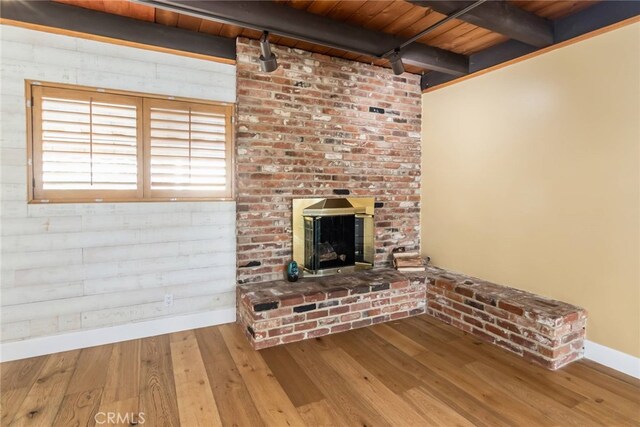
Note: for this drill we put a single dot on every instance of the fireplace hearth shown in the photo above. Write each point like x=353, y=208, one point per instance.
x=332, y=236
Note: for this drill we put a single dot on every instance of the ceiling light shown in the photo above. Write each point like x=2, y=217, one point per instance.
x=268, y=61
x=396, y=63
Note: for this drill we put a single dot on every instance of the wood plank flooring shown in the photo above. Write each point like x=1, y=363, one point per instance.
x=413, y=372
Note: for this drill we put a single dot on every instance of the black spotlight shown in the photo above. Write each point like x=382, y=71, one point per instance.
x=396, y=63
x=268, y=61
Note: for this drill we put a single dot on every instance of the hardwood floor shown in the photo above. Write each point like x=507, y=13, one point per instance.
x=413, y=372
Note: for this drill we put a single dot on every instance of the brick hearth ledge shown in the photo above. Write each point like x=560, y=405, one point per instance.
x=546, y=332
x=279, y=312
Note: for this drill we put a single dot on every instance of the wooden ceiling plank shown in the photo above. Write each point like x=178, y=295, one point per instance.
x=368, y=11
x=299, y=4
x=87, y=4
x=345, y=9
x=337, y=53
x=230, y=31
x=481, y=43
x=166, y=17
x=449, y=37
x=365, y=59
x=461, y=40
x=117, y=7
x=142, y=12
x=453, y=28
x=306, y=46
x=380, y=62
x=387, y=14
x=350, y=55
x=421, y=24
x=252, y=34
x=322, y=7
x=409, y=18
x=560, y=9
x=322, y=49
x=285, y=41
x=554, y=10
x=209, y=27
x=500, y=17
x=187, y=22
x=412, y=69
x=302, y=45
x=530, y=5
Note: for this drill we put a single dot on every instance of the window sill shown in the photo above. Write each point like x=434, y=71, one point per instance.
x=154, y=200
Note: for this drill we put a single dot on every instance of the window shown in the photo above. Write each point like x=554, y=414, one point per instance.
x=93, y=145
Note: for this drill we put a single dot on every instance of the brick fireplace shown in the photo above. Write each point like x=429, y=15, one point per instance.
x=306, y=130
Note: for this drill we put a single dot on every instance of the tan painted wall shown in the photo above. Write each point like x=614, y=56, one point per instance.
x=531, y=178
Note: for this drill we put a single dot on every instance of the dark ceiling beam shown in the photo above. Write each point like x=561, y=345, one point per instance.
x=494, y=55
x=598, y=16
x=498, y=54
x=449, y=63
x=593, y=18
x=301, y=25
x=500, y=17
x=76, y=19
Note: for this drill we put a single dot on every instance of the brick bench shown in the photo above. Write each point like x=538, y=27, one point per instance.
x=544, y=331
x=279, y=312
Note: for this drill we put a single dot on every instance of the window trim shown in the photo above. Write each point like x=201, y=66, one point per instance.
x=35, y=193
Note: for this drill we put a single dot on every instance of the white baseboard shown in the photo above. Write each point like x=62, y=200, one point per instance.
x=15, y=350
x=611, y=358
x=130, y=331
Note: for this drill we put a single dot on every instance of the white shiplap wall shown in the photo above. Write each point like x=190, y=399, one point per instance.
x=76, y=267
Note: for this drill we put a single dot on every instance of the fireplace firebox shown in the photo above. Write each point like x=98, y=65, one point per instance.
x=333, y=236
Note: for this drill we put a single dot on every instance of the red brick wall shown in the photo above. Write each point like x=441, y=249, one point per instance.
x=305, y=130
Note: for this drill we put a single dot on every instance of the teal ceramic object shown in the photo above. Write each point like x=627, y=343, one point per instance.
x=293, y=273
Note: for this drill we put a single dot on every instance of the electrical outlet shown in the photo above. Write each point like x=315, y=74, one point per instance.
x=168, y=300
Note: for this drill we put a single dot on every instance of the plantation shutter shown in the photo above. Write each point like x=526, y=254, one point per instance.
x=88, y=144
x=187, y=149
x=92, y=145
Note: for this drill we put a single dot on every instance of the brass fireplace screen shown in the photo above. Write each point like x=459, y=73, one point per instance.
x=333, y=235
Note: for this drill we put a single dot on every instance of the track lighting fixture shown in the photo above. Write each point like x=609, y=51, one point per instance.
x=396, y=62
x=268, y=61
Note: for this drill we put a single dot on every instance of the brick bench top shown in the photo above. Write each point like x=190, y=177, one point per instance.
x=359, y=282
x=543, y=310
